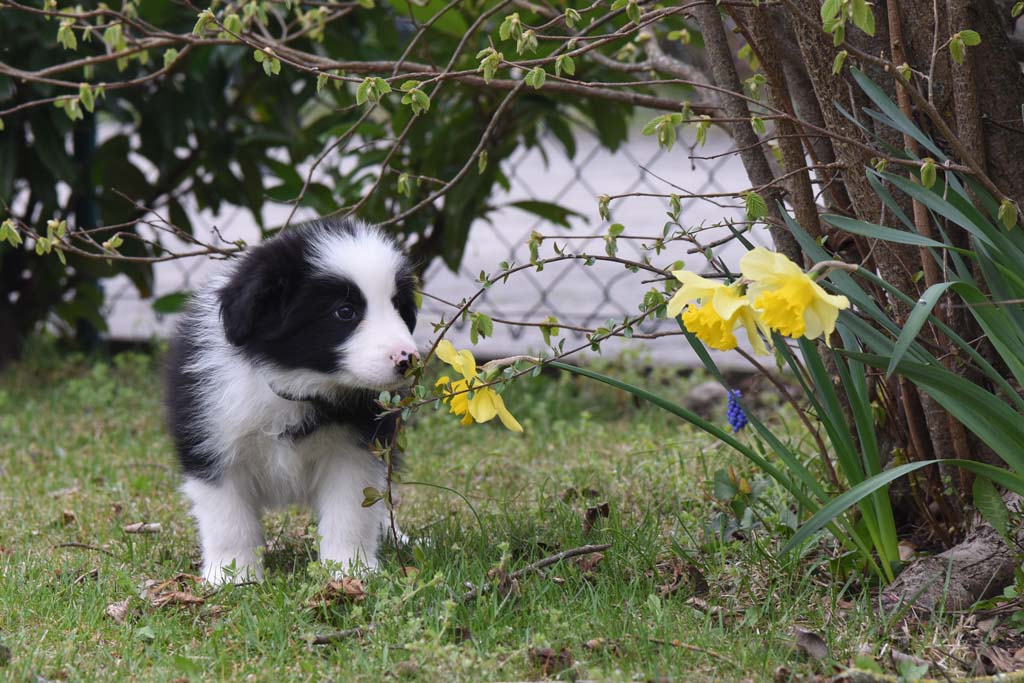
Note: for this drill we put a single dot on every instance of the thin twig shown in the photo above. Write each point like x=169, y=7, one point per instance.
x=85, y=546
x=538, y=565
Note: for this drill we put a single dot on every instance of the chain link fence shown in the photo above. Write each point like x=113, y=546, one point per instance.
x=574, y=294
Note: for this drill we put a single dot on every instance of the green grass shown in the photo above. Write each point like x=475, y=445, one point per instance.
x=86, y=438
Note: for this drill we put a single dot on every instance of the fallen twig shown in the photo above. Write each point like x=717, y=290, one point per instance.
x=337, y=636
x=83, y=546
x=539, y=564
x=696, y=648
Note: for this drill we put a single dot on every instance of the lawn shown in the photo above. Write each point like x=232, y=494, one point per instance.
x=680, y=594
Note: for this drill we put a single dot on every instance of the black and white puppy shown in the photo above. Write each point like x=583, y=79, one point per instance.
x=271, y=380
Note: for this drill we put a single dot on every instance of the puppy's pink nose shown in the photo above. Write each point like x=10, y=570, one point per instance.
x=402, y=358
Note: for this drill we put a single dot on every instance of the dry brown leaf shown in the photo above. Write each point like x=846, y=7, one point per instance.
x=549, y=661
x=339, y=590
x=92, y=574
x=674, y=573
x=812, y=644
x=68, y=517
x=603, y=644
x=592, y=514
x=177, y=598
x=178, y=590
x=410, y=571
x=588, y=563
x=573, y=493
x=70, y=490
x=997, y=660
x=118, y=611
x=143, y=528
x=907, y=550
x=986, y=625
x=504, y=583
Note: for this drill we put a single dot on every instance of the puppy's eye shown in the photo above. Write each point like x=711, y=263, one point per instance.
x=345, y=313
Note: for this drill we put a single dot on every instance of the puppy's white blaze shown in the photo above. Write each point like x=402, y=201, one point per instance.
x=371, y=261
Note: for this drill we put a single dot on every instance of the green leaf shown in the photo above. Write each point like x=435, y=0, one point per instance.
x=371, y=496
x=837, y=64
x=1007, y=211
x=991, y=505
x=998, y=425
x=857, y=227
x=844, y=501
x=957, y=50
x=536, y=77
x=928, y=172
x=725, y=488
x=9, y=233
x=970, y=38
x=830, y=9
x=85, y=96
x=633, y=11
x=170, y=54
x=915, y=321
x=204, y=19
x=565, y=63
x=702, y=129
x=171, y=303
x=554, y=213
x=755, y=205
x=510, y=26
x=863, y=17
x=757, y=123
x=1017, y=9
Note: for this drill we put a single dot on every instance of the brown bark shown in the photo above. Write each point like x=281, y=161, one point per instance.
x=724, y=75
x=794, y=157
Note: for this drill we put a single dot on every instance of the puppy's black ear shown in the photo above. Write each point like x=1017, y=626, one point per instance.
x=242, y=300
x=255, y=299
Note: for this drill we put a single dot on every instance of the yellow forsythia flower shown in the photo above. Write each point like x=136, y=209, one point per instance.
x=464, y=397
x=789, y=301
x=722, y=309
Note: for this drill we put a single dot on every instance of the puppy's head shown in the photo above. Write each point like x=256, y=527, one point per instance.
x=322, y=307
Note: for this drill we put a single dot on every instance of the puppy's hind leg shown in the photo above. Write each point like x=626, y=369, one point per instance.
x=349, y=533
x=229, y=530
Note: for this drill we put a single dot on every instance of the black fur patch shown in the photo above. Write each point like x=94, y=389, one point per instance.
x=185, y=420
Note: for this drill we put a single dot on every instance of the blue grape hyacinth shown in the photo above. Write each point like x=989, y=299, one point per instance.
x=737, y=418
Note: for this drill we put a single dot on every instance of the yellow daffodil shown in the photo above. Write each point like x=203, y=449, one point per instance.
x=722, y=309
x=465, y=397
x=789, y=301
